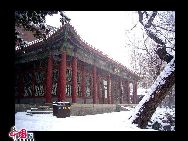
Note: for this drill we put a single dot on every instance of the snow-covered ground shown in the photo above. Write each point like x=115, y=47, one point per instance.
x=115, y=121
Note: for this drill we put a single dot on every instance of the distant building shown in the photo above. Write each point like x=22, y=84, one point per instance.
x=66, y=68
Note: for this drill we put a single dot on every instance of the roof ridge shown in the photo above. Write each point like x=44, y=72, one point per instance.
x=99, y=52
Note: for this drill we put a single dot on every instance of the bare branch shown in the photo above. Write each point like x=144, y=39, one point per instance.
x=163, y=35
x=134, y=26
x=140, y=17
x=170, y=30
x=148, y=25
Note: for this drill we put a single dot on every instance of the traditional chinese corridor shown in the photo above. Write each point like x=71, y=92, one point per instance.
x=65, y=68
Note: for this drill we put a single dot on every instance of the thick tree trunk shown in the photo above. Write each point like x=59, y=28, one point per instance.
x=147, y=106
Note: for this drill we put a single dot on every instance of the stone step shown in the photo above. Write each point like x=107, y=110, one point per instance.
x=39, y=112
x=38, y=109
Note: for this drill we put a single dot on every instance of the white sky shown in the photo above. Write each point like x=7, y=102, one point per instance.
x=104, y=30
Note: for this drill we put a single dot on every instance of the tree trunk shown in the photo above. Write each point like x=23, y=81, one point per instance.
x=159, y=90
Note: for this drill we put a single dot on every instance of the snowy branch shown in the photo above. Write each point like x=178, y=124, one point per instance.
x=159, y=85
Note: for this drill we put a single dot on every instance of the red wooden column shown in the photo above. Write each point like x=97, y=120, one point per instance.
x=62, y=78
x=74, y=79
x=49, y=80
x=127, y=91
x=124, y=91
x=109, y=88
x=135, y=92
x=98, y=89
x=112, y=94
x=121, y=91
x=83, y=87
x=94, y=84
x=21, y=86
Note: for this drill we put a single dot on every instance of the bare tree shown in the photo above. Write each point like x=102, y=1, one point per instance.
x=160, y=28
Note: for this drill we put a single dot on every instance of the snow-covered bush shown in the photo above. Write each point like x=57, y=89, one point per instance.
x=163, y=120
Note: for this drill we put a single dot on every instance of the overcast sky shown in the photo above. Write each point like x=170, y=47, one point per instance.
x=104, y=30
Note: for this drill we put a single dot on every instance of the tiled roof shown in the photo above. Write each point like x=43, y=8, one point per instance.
x=83, y=44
